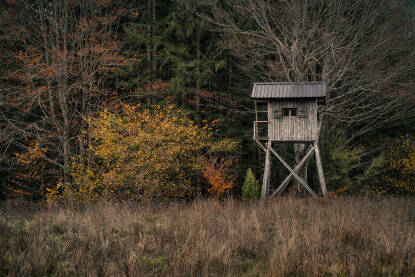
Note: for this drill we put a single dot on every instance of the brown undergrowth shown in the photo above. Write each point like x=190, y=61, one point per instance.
x=281, y=237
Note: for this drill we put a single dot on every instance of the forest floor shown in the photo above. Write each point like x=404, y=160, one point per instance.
x=343, y=236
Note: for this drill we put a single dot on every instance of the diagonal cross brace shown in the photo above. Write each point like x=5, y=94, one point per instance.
x=293, y=173
x=284, y=184
x=260, y=144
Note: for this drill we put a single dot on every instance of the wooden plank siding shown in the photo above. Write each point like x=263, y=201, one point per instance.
x=293, y=128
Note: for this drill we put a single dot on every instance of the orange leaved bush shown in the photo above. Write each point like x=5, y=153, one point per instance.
x=32, y=169
x=217, y=173
x=143, y=154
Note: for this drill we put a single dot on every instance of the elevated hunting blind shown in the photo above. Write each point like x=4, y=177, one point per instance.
x=288, y=112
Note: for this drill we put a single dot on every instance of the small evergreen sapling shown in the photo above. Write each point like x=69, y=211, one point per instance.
x=250, y=189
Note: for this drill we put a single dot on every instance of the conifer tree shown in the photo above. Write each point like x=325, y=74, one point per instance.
x=250, y=189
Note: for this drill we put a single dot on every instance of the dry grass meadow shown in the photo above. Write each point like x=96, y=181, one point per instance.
x=282, y=237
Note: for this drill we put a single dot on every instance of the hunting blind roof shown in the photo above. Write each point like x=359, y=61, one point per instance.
x=286, y=90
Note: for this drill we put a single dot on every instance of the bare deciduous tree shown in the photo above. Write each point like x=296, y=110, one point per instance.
x=359, y=47
x=61, y=53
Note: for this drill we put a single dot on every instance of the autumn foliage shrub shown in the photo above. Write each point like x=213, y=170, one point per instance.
x=143, y=154
x=400, y=161
x=217, y=173
x=31, y=166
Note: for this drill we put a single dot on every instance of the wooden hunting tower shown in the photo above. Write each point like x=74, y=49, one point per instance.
x=288, y=113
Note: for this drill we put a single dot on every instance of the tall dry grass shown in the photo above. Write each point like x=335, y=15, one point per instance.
x=281, y=237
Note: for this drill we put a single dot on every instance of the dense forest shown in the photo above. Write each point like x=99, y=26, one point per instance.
x=146, y=99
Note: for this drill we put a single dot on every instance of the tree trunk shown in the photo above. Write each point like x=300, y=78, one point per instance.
x=149, y=39
x=306, y=172
x=230, y=70
x=154, y=60
x=298, y=150
x=198, y=69
x=267, y=172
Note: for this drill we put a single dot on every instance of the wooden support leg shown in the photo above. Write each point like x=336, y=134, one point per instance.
x=267, y=172
x=306, y=172
x=293, y=172
x=320, y=169
x=297, y=168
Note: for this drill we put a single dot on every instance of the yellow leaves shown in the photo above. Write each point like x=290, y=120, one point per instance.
x=401, y=160
x=145, y=154
x=34, y=152
x=54, y=193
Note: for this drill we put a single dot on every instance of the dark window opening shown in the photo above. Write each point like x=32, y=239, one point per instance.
x=262, y=116
x=286, y=112
x=262, y=130
x=289, y=112
x=262, y=106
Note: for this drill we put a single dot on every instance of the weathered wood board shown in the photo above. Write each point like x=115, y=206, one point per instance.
x=293, y=128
